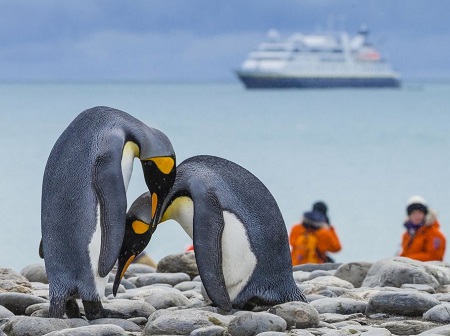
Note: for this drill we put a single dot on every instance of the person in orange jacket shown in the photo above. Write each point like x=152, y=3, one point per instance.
x=313, y=237
x=423, y=240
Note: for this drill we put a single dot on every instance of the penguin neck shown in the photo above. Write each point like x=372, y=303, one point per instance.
x=130, y=151
x=181, y=210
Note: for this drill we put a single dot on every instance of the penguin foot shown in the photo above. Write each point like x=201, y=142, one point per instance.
x=94, y=310
x=72, y=309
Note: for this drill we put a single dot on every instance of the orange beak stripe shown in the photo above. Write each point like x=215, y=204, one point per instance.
x=154, y=204
x=129, y=261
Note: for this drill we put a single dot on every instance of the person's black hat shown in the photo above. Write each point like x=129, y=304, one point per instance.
x=416, y=203
x=320, y=206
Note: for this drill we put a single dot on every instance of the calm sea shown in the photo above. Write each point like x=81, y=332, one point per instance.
x=364, y=152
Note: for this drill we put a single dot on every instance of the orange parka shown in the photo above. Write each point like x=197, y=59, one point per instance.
x=310, y=246
x=428, y=243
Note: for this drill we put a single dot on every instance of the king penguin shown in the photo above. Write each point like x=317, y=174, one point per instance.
x=84, y=204
x=240, y=238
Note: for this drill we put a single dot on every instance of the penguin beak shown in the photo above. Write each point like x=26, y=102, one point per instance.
x=122, y=266
x=137, y=235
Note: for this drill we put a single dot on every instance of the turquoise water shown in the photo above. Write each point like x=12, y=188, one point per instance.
x=362, y=151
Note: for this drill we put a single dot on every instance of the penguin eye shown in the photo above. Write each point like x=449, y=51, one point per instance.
x=139, y=227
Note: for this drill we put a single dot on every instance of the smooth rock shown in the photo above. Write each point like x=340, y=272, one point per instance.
x=37, y=306
x=318, y=274
x=161, y=278
x=407, y=327
x=365, y=330
x=188, y=285
x=249, y=324
x=130, y=308
x=109, y=289
x=91, y=330
x=333, y=318
x=5, y=312
x=314, y=267
x=300, y=276
x=162, y=299
x=209, y=331
x=439, y=313
x=297, y=314
x=137, y=268
x=124, y=324
x=35, y=273
x=442, y=330
x=11, y=281
x=329, y=280
x=18, y=302
x=38, y=326
x=399, y=270
x=339, y=305
x=419, y=287
x=353, y=272
x=175, y=321
x=181, y=262
x=405, y=303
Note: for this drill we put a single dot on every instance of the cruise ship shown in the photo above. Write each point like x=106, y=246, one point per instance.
x=323, y=60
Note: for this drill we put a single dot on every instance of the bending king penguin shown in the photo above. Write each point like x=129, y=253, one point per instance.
x=84, y=202
x=240, y=239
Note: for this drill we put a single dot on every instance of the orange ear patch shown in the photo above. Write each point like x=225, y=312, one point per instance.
x=139, y=227
x=164, y=163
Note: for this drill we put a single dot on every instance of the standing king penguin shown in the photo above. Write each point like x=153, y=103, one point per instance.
x=240, y=239
x=84, y=202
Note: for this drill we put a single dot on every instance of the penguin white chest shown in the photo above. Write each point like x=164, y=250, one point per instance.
x=238, y=259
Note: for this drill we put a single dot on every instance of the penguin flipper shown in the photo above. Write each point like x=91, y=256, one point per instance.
x=208, y=228
x=111, y=195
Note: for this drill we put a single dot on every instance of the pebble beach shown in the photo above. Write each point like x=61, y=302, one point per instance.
x=394, y=296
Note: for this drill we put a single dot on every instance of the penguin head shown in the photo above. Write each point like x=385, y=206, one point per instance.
x=138, y=231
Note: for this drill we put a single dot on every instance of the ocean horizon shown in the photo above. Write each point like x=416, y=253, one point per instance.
x=362, y=151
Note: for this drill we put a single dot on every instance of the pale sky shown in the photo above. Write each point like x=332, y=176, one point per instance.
x=202, y=40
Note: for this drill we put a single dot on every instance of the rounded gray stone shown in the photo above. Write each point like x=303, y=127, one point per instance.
x=407, y=327
x=314, y=267
x=5, y=312
x=297, y=314
x=442, y=330
x=35, y=273
x=209, y=331
x=181, y=262
x=109, y=289
x=91, y=330
x=18, y=302
x=161, y=278
x=339, y=305
x=130, y=308
x=439, y=313
x=174, y=321
x=328, y=281
x=38, y=326
x=249, y=324
x=397, y=271
x=404, y=303
x=140, y=268
x=162, y=299
x=189, y=285
x=37, y=306
x=124, y=324
x=353, y=272
x=11, y=281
